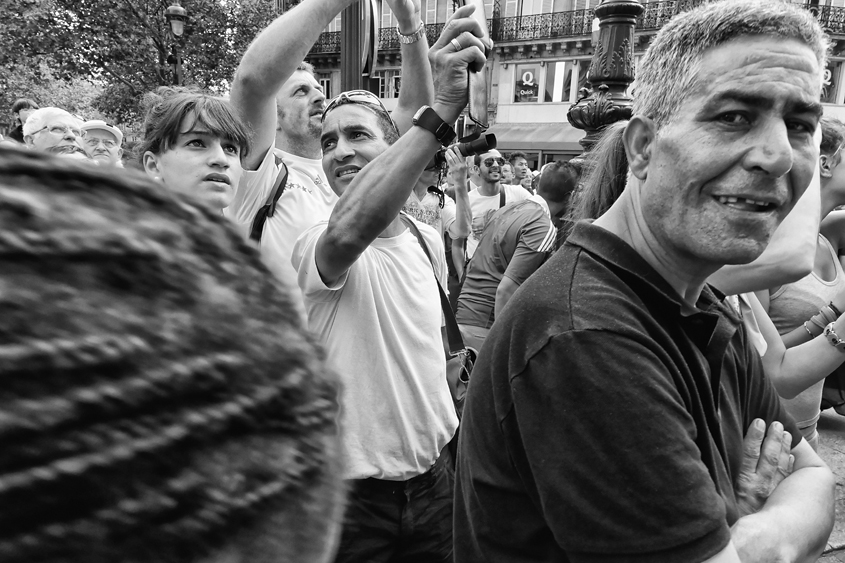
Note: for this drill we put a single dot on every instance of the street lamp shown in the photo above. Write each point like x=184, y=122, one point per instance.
x=610, y=73
x=176, y=16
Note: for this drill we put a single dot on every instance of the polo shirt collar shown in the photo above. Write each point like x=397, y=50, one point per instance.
x=609, y=247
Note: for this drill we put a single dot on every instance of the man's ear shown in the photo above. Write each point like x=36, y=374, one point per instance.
x=28, y=141
x=151, y=165
x=825, y=168
x=638, y=137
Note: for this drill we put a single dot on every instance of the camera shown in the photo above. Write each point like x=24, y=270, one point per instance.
x=470, y=148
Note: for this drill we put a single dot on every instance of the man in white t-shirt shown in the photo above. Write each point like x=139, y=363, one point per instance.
x=371, y=295
x=490, y=195
x=282, y=102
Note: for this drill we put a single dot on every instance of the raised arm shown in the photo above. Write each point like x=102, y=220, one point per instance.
x=458, y=179
x=417, y=87
x=789, y=255
x=269, y=61
x=376, y=194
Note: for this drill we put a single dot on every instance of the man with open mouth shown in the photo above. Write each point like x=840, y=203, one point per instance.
x=617, y=411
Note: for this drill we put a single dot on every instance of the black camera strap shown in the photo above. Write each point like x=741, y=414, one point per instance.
x=453, y=333
x=269, y=208
x=501, y=196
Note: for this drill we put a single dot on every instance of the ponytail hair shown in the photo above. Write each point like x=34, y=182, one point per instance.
x=604, y=178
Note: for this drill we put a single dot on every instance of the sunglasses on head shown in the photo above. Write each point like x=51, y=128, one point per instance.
x=360, y=97
x=488, y=162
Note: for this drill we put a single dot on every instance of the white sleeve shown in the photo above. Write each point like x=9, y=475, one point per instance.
x=447, y=216
x=515, y=193
x=304, y=261
x=252, y=191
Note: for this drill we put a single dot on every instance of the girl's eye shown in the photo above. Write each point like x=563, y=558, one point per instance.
x=233, y=149
x=195, y=143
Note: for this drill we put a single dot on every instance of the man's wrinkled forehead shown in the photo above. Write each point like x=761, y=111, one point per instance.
x=297, y=80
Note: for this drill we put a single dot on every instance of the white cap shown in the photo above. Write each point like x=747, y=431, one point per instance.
x=100, y=124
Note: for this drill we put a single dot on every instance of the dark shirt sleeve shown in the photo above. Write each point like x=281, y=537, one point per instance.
x=604, y=444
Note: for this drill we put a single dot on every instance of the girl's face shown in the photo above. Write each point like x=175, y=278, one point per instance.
x=199, y=162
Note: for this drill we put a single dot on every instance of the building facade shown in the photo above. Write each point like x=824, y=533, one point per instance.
x=542, y=52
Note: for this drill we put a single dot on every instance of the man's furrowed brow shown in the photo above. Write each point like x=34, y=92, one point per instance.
x=763, y=102
x=815, y=108
x=741, y=97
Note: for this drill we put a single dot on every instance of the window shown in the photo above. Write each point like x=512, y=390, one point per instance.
x=326, y=82
x=389, y=82
x=559, y=81
x=830, y=82
x=527, y=85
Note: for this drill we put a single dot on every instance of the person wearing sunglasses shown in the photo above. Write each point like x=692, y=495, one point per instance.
x=281, y=102
x=372, y=297
x=53, y=128
x=491, y=195
x=102, y=142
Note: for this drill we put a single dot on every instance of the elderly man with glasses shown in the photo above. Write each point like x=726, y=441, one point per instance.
x=102, y=141
x=53, y=130
x=370, y=279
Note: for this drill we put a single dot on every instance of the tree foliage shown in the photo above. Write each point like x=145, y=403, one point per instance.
x=123, y=45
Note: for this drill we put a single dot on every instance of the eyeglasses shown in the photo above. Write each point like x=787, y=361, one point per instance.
x=60, y=130
x=94, y=141
x=488, y=162
x=837, y=150
x=361, y=97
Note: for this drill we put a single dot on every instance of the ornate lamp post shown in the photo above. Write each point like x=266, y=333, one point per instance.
x=611, y=71
x=176, y=17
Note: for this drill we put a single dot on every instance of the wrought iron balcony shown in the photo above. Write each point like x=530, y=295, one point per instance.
x=656, y=14
x=576, y=23
x=831, y=18
x=329, y=42
x=389, y=41
x=543, y=26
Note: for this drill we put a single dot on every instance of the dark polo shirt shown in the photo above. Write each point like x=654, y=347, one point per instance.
x=601, y=424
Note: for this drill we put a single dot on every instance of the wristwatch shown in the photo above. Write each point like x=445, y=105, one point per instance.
x=833, y=338
x=412, y=37
x=428, y=119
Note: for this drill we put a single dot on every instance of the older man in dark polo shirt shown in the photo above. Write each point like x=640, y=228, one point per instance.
x=606, y=415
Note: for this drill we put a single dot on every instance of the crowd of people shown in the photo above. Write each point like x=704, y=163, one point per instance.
x=313, y=330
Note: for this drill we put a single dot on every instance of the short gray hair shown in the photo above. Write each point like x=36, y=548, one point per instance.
x=671, y=64
x=41, y=118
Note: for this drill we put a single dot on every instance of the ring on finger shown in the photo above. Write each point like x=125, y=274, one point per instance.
x=456, y=44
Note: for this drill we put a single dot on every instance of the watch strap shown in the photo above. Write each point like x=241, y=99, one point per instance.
x=413, y=37
x=833, y=338
x=428, y=119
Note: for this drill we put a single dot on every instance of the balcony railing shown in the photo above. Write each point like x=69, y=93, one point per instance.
x=656, y=14
x=576, y=23
x=388, y=40
x=831, y=17
x=543, y=26
x=329, y=42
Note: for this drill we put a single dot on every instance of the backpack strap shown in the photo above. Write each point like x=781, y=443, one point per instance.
x=453, y=333
x=501, y=196
x=269, y=208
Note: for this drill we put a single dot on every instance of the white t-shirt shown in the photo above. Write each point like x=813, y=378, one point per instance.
x=427, y=210
x=483, y=207
x=380, y=324
x=306, y=201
